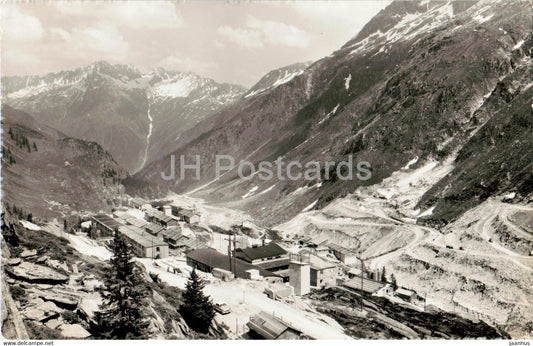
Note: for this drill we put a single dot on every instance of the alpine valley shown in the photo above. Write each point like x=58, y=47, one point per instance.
x=436, y=95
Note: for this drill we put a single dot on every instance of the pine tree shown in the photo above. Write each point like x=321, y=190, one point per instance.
x=383, y=275
x=34, y=147
x=197, y=309
x=122, y=314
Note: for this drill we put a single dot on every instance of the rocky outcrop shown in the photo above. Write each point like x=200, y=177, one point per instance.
x=35, y=273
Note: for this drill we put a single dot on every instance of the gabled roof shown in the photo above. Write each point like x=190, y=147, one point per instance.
x=106, y=221
x=135, y=222
x=153, y=228
x=405, y=292
x=254, y=253
x=138, y=236
x=164, y=218
x=323, y=239
x=172, y=234
x=268, y=326
x=342, y=249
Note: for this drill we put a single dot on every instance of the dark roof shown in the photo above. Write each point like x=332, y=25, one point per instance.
x=106, y=220
x=280, y=262
x=153, y=228
x=171, y=233
x=270, y=327
x=253, y=253
x=215, y=259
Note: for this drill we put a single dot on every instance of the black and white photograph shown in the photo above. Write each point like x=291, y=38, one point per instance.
x=266, y=170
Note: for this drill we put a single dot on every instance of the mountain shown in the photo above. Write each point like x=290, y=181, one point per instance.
x=411, y=87
x=277, y=77
x=136, y=116
x=48, y=174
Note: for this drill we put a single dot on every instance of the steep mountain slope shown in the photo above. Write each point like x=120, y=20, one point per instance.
x=48, y=174
x=133, y=115
x=498, y=157
x=408, y=85
x=277, y=77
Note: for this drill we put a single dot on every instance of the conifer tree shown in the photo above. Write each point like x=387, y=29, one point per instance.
x=123, y=311
x=197, y=309
x=383, y=275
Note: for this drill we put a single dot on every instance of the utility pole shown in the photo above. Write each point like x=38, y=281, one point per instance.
x=362, y=281
x=235, y=253
x=229, y=253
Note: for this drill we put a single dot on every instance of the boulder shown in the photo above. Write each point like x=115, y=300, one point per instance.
x=28, y=253
x=91, y=283
x=42, y=312
x=35, y=273
x=54, y=323
x=35, y=301
x=13, y=261
x=57, y=265
x=62, y=300
x=87, y=308
x=75, y=331
x=42, y=259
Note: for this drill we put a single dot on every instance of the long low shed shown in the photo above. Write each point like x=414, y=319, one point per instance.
x=208, y=259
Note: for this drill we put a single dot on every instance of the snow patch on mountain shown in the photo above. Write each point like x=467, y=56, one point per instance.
x=250, y=192
x=333, y=111
x=410, y=163
x=287, y=78
x=347, y=81
x=35, y=89
x=179, y=88
x=519, y=44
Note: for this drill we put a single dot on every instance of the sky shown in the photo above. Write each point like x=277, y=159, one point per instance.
x=229, y=41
